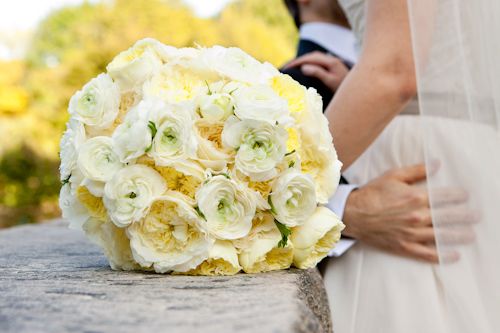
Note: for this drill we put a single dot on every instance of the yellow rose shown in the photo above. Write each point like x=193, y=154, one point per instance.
x=292, y=91
x=314, y=239
x=293, y=142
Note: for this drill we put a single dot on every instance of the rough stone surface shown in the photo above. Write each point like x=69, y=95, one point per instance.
x=53, y=279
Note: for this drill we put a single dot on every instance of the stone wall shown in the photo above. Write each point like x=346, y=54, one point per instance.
x=53, y=279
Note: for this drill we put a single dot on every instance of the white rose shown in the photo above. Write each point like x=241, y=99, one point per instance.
x=314, y=239
x=73, y=138
x=234, y=64
x=168, y=237
x=294, y=197
x=259, y=251
x=133, y=137
x=261, y=102
x=227, y=207
x=134, y=66
x=174, y=137
x=113, y=241
x=97, y=104
x=128, y=195
x=322, y=164
x=222, y=260
x=98, y=162
x=169, y=53
x=260, y=146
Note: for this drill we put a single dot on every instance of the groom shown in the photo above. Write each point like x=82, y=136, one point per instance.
x=387, y=212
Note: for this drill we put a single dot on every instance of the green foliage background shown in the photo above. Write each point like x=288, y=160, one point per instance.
x=73, y=45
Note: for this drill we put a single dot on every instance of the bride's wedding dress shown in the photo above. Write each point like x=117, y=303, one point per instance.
x=458, y=76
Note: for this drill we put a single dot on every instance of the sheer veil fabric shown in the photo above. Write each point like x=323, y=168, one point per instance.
x=456, y=47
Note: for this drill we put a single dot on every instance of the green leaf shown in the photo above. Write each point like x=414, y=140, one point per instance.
x=152, y=127
x=231, y=92
x=285, y=233
x=65, y=181
x=225, y=175
x=149, y=148
x=290, y=153
x=273, y=210
x=208, y=86
x=237, y=148
x=256, y=212
x=291, y=164
x=200, y=213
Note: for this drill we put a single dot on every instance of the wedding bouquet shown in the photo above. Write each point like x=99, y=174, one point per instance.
x=199, y=161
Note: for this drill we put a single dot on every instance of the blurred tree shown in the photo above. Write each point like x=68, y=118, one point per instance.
x=73, y=45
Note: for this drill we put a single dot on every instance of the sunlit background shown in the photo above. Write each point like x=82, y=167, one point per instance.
x=50, y=48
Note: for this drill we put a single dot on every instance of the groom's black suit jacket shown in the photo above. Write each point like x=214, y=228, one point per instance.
x=306, y=46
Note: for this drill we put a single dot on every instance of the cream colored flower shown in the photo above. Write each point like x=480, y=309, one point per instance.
x=259, y=251
x=98, y=162
x=73, y=138
x=72, y=209
x=114, y=242
x=175, y=82
x=222, y=260
x=180, y=182
x=292, y=91
x=134, y=66
x=211, y=153
x=94, y=205
x=294, y=197
x=97, y=104
x=174, y=137
x=262, y=103
x=234, y=64
x=128, y=195
x=169, y=237
x=314, y=239
x=227, y=207
x=260, y=146
x=322, y=164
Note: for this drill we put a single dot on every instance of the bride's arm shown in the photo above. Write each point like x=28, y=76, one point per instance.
x=378, y=87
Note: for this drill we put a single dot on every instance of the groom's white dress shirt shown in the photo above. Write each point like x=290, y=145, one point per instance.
x=341, y=42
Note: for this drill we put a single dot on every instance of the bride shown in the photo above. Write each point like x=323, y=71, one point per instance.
x=391, y=286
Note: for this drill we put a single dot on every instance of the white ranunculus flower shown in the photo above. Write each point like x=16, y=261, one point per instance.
x=97, y=104
x=135, y=65
x=259, y=251
x=169, y=53
x=261, y=102
x=222, y=260
x=128, y=195
x=174, y=137
x=227, y=207
x=72, y=209
x=234, y=64
x=113, y=241
x=322, y=164
x=73, y=138
x=168, y=237
x=133, y=136
x=98, y=162
x=260, y=146
x=314, y=239
x=294, y=197
x=217, y=106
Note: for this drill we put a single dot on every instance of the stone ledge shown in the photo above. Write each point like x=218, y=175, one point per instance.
x=52, y=279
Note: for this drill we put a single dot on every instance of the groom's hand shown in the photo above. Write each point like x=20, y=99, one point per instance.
x=391, y=214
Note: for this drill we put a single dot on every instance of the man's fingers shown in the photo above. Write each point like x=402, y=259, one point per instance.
x=314, y=58
x=443, y=196
x=445, y=236
x=455, y=216
x=317, y=72
x=421, y=251
x=411, y=174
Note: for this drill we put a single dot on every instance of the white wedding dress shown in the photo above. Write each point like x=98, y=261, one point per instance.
x=371, y=291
